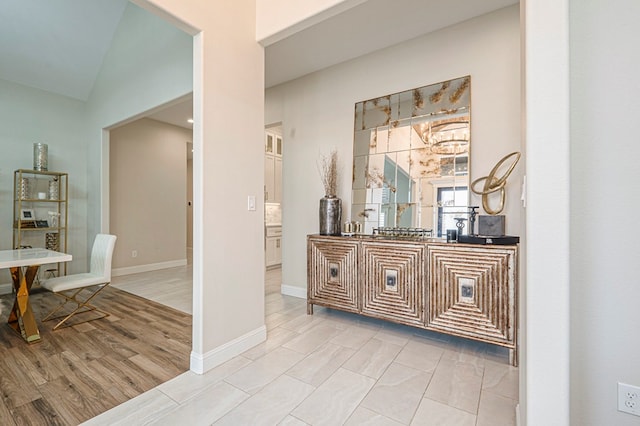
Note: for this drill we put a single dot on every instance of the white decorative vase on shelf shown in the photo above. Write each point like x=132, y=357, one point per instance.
x=330, y=215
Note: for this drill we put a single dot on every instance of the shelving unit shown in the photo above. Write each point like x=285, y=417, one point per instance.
x=40, y=212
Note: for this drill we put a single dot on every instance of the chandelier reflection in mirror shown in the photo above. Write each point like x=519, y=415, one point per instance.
x=411, y=157
x=445, y=136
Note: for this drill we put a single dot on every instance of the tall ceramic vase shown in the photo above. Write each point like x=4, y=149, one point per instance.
x=330, y=215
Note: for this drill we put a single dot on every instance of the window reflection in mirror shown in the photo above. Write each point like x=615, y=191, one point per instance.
x=449, y=199
x=408, y=147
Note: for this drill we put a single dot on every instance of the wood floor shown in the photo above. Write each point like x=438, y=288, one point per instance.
x=78, y=372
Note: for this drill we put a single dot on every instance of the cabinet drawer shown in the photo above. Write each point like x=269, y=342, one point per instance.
x=274, y=231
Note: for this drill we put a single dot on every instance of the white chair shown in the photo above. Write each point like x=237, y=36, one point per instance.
x=69, y=287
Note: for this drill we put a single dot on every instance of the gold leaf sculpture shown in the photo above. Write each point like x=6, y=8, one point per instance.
x=493, y=184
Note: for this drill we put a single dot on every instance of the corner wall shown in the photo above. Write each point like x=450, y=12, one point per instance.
x=228, y=166
x=605, y=289
x=317, y=113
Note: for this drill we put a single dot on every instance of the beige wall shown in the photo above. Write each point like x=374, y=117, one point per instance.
x=316, y=112
x=228, y=166
x=148, y=174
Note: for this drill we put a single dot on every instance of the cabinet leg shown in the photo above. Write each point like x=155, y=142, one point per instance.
x=309, y=308
x=513, y=357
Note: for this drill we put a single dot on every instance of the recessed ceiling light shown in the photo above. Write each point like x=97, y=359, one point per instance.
x=190, y=120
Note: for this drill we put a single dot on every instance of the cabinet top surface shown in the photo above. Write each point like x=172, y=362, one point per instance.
x=407, y=240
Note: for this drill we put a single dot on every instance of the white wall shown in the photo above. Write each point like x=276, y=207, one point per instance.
x=545, y=323
x=190, y=199
x=317, y=116
x=277, y=19
x=148, y=194
x=228, y=314
x=605, y=289
x=148, y=64
x=30, y=115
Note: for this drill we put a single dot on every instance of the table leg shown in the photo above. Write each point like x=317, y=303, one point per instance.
x=21, y=318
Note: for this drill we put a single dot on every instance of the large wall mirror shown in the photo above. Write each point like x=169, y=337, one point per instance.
x=411, y=158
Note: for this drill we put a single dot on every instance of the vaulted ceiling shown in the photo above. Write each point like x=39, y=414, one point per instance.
x=59, y=45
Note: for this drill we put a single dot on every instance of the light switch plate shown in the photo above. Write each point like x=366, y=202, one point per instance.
x=251, y=203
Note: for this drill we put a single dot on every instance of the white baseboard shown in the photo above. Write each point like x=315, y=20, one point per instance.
x=289, y=290
x=201, y=363
x=148, y=267
x=6, y=288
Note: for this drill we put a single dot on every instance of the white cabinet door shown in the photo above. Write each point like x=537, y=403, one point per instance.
x=269, y=143
x=274, y=251
x=277, y=179
x=278, y=251
x=273, y=168
x=269, y=179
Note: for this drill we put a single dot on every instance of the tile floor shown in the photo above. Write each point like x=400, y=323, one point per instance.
x=331, y=368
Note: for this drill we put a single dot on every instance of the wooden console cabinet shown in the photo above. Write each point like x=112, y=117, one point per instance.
x=465, y=290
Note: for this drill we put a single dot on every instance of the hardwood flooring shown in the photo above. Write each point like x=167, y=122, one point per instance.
x=78, y=372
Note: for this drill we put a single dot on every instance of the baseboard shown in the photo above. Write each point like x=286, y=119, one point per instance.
x=289, y=290
x=201, y=363
x=6, y=288
x=147, y=268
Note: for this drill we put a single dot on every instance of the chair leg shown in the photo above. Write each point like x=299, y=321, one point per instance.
x=62, y=305
x=80, y=305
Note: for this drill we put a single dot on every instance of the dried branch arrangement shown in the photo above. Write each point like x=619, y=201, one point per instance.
x=328, y=168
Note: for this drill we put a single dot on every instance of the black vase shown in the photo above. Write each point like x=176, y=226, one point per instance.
x=330, y=215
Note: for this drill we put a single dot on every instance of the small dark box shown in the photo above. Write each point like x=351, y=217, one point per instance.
x=492, y=226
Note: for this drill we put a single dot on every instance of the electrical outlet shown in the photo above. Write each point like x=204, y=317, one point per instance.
x=629, y=399
x=134, y=253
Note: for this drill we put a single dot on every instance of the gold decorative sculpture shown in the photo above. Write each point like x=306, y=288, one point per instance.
x=493, y=184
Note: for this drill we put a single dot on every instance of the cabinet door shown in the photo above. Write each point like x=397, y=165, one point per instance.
x=278, y=147
x=332, y=268
x=393, y=281
x=271, y=255
x=278, y=255
x=472, y=292
x=269, y=143
x=277, y=179
x=269, y=180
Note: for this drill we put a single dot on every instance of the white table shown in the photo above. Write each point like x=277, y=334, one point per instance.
x=21, y=318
